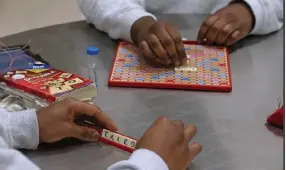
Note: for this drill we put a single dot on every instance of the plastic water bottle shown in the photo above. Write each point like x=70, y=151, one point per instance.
x=92, y=53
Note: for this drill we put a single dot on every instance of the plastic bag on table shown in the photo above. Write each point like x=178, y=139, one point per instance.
x=16, y=100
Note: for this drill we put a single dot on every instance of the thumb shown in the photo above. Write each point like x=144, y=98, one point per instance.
x=84, y=133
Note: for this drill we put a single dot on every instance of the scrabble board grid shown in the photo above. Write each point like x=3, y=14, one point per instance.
x=211, y=70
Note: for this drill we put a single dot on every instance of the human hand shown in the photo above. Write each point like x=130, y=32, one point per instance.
x=56, y=121
x=227, y=25
x=158, y=41
x=170, y=140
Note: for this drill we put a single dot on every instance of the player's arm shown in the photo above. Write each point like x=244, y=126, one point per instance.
x=164, y=146
x=114, y=17
x=19, y=129
x=11, y=159
x=268, y=15
x=26, y=129
x=240, y=18
x=159, y=42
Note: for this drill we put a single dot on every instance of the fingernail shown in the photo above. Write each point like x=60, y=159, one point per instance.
x=184, y=61
x=95, y=136
x=177, y=63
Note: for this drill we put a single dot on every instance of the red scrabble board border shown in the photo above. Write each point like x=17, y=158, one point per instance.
x=171, y=86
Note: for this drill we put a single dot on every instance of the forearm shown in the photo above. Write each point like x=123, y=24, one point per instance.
x=114, y=17
x=19, y=129
x=141, y=160
x=268, y=15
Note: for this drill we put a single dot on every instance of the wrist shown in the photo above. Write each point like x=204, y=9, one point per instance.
x=40, y=122
x=140, y=28
x=247, y=7
x=23, y=129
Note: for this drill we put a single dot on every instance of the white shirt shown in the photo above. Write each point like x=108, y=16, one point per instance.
x=117, y=16
x=20, y=130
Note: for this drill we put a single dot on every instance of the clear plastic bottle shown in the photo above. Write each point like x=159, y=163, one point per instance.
x=92, y=53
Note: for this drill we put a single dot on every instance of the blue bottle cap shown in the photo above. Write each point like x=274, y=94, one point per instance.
x=92, y=50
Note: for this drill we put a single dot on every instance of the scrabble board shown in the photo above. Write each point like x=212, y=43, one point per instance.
x=207, y=68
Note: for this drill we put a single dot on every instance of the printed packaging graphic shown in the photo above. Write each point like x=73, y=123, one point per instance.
x=50, y=84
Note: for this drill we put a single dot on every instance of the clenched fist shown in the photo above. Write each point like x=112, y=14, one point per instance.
x=170, y=140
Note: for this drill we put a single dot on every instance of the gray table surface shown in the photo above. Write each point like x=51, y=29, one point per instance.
x=231, y=126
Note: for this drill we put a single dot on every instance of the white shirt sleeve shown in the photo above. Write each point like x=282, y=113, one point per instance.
x=114, y=17
x=268, y=15
x=141, y=159
x=11, y=159
x=20, y=129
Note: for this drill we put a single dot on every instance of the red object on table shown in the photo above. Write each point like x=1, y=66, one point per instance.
x=114, y=139
x=49, y=84
x=277, y=118
x=208, y=69
x=117, y=140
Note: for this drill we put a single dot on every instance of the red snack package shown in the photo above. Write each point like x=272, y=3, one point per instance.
x=277, y=118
